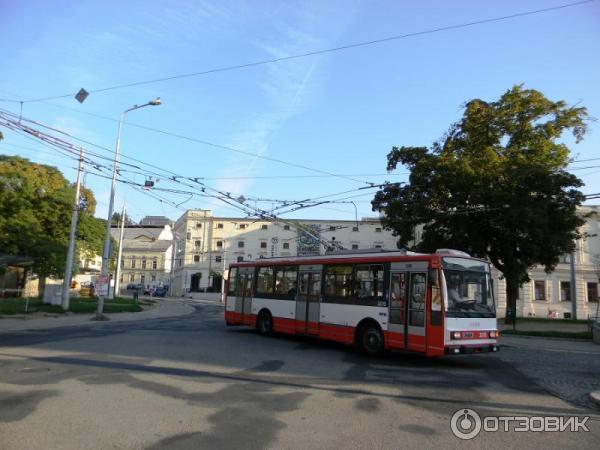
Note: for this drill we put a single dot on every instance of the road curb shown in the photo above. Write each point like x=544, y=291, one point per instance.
x=595, y=397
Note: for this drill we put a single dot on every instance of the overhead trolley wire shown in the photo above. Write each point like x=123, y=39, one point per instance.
x=323, y=51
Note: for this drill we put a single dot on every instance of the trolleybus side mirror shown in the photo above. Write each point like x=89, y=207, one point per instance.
x=433, y=278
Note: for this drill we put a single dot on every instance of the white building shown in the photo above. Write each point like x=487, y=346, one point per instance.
x=548, y=295
x=205, y=245
x=147, y=255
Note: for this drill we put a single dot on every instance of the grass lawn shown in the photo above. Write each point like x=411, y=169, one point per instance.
x=11, y=306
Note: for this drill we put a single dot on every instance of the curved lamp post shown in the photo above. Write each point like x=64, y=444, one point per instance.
x=106, y=251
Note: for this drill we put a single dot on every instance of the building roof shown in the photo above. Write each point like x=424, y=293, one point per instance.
x=137, y=232
x=157, y=221
x=146, y=246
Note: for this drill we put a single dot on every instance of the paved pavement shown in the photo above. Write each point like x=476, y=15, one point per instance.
x=191, y=382
x=162, y=308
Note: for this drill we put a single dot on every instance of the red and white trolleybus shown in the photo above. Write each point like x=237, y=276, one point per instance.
x=435, y=304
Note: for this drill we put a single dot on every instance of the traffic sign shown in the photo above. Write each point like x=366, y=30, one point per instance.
x=102, y=283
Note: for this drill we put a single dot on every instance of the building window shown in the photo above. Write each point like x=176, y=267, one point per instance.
x=286, y=245
x=286, y=227
x=142, y=279
x=539, y=288
x=122, y=264
x=354, y=246
x=131, y=278
x=196, y=258
x=197, y=243
x=565, y=291
x=219, y=225
x=153, y=277
x=377, y=230
x=264, y=227
x=219, y=244
x=592, y=292
x=354, y=229
x=242, y=226
x=198, y=225
x=240, y=244
x=240, y=259
x=133, y=263
x=218, y=259
x=143, y=263
x=263, y=245
x=563, y=258
x=154, y=264
x=188, y=236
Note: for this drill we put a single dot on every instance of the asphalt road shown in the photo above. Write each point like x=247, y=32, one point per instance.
x=192, y=382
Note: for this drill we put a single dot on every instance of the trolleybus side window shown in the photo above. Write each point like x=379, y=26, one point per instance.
x=286, y=282
x=264, y=281
x=338, y=282
x=368, y=284
x=232, y=280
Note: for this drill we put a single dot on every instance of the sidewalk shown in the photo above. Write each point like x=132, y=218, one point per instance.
x=164, y=308
x=551, y=344
x=531, y=325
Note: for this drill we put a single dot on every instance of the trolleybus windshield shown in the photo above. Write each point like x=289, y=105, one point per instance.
x=469, y=290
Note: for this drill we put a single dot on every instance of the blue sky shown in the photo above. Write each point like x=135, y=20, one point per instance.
x=338, y=112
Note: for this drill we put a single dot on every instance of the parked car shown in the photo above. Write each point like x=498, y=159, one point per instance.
x=135, y=287
x=160, y=292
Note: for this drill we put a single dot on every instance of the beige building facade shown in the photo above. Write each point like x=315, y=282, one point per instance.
x=147, y=255
x=204, y=246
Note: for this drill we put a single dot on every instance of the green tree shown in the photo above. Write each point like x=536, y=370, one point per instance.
x=496, y=186
x=116, y=219
x=35, y=212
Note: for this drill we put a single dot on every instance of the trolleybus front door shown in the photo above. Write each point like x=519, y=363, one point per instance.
x=408, y=294
x=307, y=302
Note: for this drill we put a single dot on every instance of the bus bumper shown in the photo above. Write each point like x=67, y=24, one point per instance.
x=467, y=350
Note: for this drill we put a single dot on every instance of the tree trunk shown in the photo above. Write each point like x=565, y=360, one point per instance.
x=41, y=285
x=512, y=294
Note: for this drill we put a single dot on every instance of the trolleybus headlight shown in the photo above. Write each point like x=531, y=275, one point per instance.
x=456, y=335
x=493, y=334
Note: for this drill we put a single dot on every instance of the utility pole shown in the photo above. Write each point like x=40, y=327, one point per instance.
x=120, y=254
x=572, y=283
x=71, y=249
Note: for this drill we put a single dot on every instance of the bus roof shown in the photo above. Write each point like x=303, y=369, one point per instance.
x=381, y=256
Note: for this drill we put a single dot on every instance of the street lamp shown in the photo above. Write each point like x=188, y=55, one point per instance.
x=106, y=251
